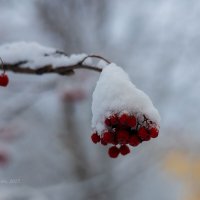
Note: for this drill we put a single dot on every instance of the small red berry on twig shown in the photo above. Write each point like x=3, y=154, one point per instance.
x=4, y=80
x=107, y=122
x=131, y=121
x=114, y=120
x=103, y=142
x=147, y=138
x=142, y=133
x=107, y=137
x=123, y=119
x=113, y=152
x=134, y=141
x=124, y=149
x=154, y=132
x=95, y=138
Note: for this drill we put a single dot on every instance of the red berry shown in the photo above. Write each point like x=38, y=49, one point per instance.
x=134, y=140
x=107, y=122
x=123, y=137
x=107, y=137
x=142, y=133
x=124, y=149
x=103, y=142
x=131, y=121
x=147, y=138
x=123, y=119
x=113, y=152
x=154, y=132
x=95, y=138
x=4, y=80
x=114, y=120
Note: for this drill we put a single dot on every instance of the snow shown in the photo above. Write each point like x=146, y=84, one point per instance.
x=115, y=93
x=102, y=63
x=36, y=55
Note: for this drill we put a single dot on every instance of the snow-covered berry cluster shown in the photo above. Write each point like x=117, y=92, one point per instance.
x=123, y=115
x=123, y=130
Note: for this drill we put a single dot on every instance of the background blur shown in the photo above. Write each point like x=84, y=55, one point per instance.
x=45, y=147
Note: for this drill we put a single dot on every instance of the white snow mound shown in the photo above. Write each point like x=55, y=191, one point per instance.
x=115, y=93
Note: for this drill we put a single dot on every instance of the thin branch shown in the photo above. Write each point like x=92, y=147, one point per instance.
x=61, y=70
x=95, y=56
x=2, y=65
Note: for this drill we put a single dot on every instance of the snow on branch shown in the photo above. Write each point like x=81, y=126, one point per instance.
x=33, y=58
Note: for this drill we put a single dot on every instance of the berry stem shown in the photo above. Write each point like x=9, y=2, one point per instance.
x=95, y=56
x=2, y=65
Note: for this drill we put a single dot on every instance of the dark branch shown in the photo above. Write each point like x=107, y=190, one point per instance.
x=62, y=70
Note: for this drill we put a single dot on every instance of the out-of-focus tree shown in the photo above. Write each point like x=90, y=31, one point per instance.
x=79, y=26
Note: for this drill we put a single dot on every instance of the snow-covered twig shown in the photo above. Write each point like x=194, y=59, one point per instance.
x=33, y=58
x=62, y=70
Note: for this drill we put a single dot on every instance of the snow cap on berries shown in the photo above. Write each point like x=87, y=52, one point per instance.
x=115, y=93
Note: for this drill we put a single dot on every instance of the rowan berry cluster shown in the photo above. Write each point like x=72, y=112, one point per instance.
x=123, y=130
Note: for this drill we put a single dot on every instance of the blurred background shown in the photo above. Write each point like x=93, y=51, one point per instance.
x=45, y=147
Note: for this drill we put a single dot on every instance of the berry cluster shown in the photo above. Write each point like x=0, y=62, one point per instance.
x=123, y=130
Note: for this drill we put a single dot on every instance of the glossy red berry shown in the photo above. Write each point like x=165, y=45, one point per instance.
x=134, y=140
x=154, y=132
x=147, y=138
x=124, y=150
x=4, y=80
x=123, y=137
x=142, y=133
x=103, y=142
x=131, y=121
x=108, y=137
x=107, y=122
x=114, y=120
x=113, y=152
x=95, y=138
x=123, y=119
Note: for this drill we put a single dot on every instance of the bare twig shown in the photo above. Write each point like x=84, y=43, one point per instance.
x=95, y=56
x=2, y=65
x=61, y=70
